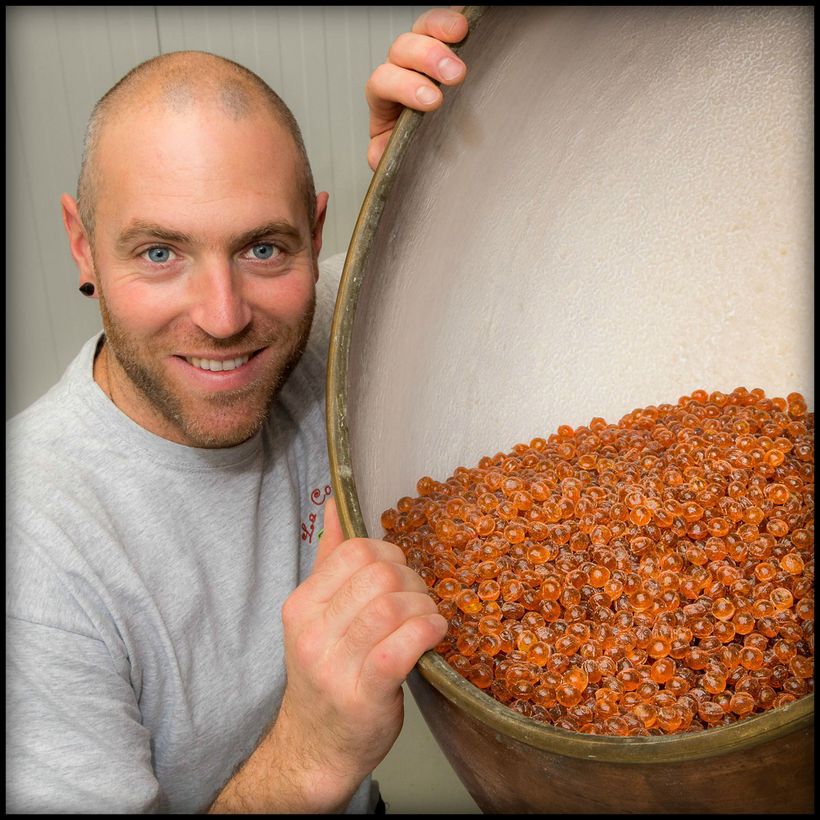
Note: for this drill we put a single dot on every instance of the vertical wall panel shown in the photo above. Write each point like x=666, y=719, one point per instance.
x=347, y=45
x=209, y=28
x=59, y=61
x=304, y=89
x=386, y=23
x=31, y=359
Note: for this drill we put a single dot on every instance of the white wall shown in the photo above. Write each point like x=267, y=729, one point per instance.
x=61, y=59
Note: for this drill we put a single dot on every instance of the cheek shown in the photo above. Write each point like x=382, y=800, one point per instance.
x=140, y=311
x=286, y=298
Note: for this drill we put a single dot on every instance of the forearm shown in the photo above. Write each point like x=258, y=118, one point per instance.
x=288, y=774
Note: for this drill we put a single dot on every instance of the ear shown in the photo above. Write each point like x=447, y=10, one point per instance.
x=319, y=223
x=78, y=241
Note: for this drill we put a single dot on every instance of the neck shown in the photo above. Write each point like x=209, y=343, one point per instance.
x=101, y=370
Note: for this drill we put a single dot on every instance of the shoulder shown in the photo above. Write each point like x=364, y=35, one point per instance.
x=50, y=421
x=40, y=437
x=50, y=433
x=58, y=458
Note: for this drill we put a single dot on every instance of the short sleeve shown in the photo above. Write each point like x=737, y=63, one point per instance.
x=74, y=739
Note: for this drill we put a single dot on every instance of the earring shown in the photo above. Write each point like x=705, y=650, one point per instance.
x=87, y=288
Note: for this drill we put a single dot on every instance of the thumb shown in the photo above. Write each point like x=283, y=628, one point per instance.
x=332, y=534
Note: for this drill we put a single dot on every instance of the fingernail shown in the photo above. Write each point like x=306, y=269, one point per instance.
x=449, y=68
x=426, y=95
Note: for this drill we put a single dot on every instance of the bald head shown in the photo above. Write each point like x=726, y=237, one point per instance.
x=178, y=83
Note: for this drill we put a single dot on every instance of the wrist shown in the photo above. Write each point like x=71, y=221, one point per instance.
x=289, y=772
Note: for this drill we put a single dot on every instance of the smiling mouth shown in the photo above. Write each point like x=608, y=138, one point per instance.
x=217, y=365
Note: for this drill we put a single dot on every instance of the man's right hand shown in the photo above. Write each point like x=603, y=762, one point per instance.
x=354, y=629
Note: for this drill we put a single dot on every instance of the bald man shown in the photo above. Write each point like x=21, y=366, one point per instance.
x=177, y=640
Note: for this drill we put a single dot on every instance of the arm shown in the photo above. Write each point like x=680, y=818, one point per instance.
x=353, y=631
x=404, y=80
x=75, y=742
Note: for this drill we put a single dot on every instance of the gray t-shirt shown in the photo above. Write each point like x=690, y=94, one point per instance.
x=145, y=580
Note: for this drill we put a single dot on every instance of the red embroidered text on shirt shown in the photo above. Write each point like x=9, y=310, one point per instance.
x=318, y=496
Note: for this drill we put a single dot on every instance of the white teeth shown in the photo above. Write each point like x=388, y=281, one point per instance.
x=212, y=364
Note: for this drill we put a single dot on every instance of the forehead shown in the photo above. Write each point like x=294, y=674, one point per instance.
x=155, y=162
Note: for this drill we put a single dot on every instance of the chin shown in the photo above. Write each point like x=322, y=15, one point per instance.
x=218, y=439
x=225, y=428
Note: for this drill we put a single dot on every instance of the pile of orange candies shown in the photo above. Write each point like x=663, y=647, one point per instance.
x=649, y=577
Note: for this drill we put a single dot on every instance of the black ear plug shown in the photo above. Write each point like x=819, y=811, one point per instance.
x=87, y=288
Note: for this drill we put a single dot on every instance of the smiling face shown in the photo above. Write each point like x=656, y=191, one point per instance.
x=205, y=264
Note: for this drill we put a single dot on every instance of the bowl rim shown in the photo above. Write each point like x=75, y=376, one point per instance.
x=364, y=232
x=432, y=668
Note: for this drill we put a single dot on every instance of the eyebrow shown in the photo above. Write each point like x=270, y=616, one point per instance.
x=141, y=228
x=284, y=229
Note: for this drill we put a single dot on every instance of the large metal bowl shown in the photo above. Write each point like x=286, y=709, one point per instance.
x=615, y=209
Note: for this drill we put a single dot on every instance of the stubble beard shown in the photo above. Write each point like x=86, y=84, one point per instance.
x=225, y=418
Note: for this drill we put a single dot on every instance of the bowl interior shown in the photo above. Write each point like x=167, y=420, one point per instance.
x=615, y=209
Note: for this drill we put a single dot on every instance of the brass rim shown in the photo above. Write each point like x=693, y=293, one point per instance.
x=344, y=488
x=745, y=733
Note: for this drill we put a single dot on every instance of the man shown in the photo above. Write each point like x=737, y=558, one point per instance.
x=176, y=642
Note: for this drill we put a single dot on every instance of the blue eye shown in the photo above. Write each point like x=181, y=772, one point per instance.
x=158, y=255
x=264, y=251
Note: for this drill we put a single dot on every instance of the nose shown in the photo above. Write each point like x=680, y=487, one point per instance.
x=218, y=305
